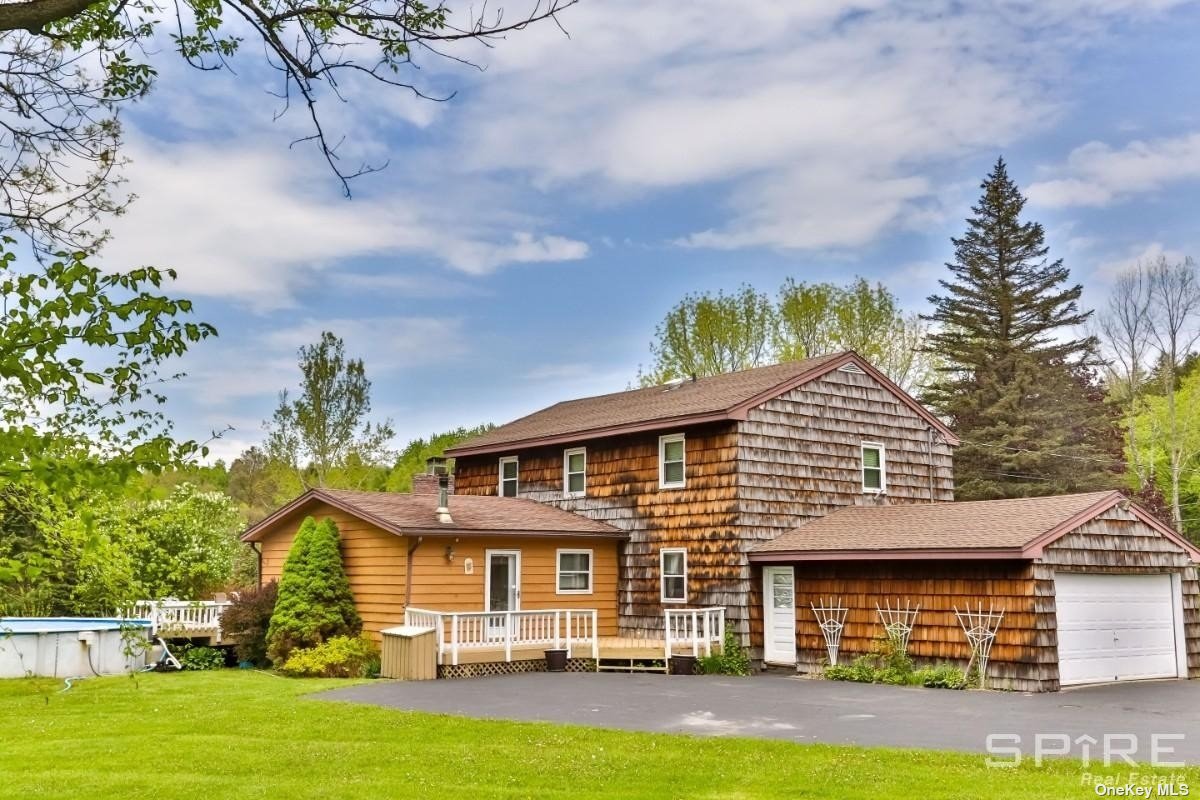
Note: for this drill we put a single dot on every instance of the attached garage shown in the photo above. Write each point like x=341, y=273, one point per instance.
x=1093, y=588
x=1118, y=627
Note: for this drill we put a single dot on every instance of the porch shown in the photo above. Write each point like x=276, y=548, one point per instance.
x=481, y=637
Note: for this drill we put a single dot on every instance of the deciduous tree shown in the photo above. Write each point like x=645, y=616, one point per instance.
x=325, y=427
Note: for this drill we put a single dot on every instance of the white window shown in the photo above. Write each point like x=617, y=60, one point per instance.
x=508, y=476
x=673, y=567
x=575, y=472
x=574, y=572
x=874, y=466
x=671, y=457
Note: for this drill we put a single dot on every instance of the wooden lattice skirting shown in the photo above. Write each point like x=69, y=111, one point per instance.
x=490, y=668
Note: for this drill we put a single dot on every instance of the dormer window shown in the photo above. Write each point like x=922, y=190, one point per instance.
x=508, y=476
x=671, y=461
x=874, y=464
x=575, y=472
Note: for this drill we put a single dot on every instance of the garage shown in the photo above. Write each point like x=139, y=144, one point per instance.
x=1088, y=588
x=1117, y=627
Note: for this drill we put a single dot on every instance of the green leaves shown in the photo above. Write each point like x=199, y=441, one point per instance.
x=80, y=406
x=314, y=603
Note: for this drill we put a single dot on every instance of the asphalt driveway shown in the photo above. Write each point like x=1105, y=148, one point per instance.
x=805, y=710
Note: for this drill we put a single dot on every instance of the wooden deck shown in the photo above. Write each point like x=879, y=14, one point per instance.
x=610, y=648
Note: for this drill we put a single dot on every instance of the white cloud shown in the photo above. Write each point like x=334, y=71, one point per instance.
x=1096, y=174
x=255, y=223
x=1140, y=254
x=816, y=125
x=476, y=257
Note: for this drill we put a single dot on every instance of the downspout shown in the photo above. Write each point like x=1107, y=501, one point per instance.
x=412, y=548
x=258, y=554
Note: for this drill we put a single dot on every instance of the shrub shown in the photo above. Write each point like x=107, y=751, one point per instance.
x=732, y=660
x=896, y=669
x=339, y=657
x=943, y=676
x=192, y=657
x=315, y=603
x=247, y=620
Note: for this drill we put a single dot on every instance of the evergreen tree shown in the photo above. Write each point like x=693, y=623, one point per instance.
x=1011, y=378
x=314, y=602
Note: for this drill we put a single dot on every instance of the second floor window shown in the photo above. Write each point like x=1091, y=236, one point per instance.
x=671, y=456
x=508, y=477
x=575, y=472
x=873, y=466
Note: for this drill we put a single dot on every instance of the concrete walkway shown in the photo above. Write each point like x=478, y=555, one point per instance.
x=803, y=710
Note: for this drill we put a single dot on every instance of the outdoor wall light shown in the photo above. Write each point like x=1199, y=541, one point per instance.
x=450, y=553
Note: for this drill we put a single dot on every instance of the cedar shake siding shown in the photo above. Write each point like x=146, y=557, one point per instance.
x=623, y=491
x=800, y=454
x=788, y=459
x=1025, y=656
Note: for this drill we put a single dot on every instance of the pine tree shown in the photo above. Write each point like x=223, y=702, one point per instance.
x=314, y=602
x=1012, y=380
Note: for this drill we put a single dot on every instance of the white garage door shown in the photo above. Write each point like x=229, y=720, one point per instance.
x=1115, y=627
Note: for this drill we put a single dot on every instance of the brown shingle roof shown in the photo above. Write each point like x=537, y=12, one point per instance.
x=704, y=400
x=996, y=527
x=405, y=514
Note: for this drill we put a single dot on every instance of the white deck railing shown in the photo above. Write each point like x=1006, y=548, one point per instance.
x=700, y=628
x=461, y=631
x=182, y=617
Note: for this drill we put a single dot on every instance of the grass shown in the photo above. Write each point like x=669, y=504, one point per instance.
x=234, y=734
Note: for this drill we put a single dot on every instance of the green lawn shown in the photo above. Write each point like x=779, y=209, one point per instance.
x=252, y=735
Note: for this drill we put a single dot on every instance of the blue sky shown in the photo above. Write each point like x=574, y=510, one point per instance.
x=528, y=235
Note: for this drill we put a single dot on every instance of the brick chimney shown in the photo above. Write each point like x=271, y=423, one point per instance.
x=424, y=483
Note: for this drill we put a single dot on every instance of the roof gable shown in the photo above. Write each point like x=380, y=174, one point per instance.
x=415, y=514
x=1015, y=528
x=729, y=396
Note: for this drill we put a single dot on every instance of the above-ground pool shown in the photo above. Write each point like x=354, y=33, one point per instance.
x=65, y=647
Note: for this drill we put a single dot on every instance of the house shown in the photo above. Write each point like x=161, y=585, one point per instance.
x=416, y=558
x=646, y=520
x=699, y=472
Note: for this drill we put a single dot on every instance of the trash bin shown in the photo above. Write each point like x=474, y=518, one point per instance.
x=556, y=660
x=683, y=665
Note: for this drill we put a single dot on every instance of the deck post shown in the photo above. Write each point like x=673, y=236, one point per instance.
x=558, y=629
x=508, y=635
x=439, y=626
x=568, y=633
x=695, y=635
x=454, y=639
x=595, y=636
x=707, y=633
x=667, y=631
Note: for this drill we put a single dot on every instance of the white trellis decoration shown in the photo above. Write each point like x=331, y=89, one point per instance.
x=831, y=616
x=898, y=622
x=980, y=627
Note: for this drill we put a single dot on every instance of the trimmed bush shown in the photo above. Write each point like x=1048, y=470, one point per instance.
x=247, y=621
x=315, y=603
x=340, y=657
x=199, y=658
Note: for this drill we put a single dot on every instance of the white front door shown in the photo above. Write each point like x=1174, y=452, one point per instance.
x=1115, y=627
x=779, y=615
x=502, y=589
